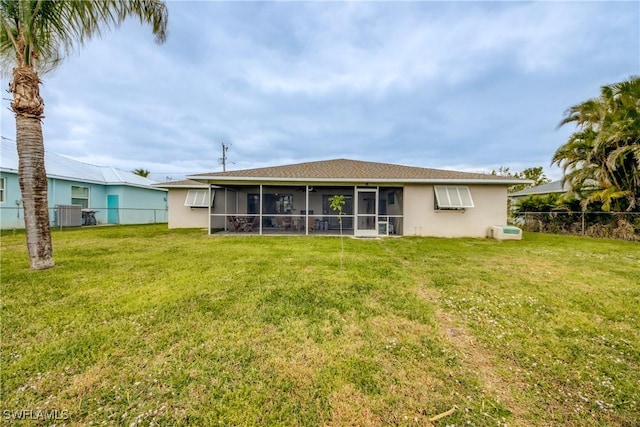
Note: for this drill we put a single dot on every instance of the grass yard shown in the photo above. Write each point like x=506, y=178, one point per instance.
x=140, y=325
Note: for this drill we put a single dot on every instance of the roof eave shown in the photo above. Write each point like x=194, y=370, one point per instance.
x=91, y=181
x=204, y=185
x=127, y=184
x=241, y=179
x=519, y=194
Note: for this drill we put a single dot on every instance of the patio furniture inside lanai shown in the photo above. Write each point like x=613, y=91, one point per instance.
x=288, y=209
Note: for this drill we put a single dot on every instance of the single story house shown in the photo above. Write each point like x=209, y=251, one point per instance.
x=81, y=193
x=381, y=199
x=542, y=190
x=554, y=187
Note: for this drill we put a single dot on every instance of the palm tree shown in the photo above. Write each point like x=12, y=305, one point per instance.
x=35, y=35
x=601, y=160
x=141, y=172
x=337, y=203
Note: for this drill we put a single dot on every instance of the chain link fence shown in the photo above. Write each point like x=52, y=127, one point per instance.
x=74, y=216
x=618, y=225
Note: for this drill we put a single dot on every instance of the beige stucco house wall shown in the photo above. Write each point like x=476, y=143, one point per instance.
x=181, y=216
x=421, y=218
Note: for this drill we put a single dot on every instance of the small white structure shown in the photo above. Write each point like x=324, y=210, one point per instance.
x=505, y=232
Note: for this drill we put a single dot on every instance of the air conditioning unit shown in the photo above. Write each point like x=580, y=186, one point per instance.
x=505, y=232
x=68, y=216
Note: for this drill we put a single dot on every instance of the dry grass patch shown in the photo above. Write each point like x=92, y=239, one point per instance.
x=350, y=407
x=498, y=377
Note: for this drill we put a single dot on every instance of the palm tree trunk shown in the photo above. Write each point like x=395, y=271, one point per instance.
x=29, y=108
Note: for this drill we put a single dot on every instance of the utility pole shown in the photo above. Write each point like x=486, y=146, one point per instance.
x=224, y=157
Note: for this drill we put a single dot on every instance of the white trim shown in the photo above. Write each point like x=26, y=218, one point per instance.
x=193, y=187
x=358, y=232
x=3, y=189
x=87, y=198
x=198, y=186
x=306, y=210
x=453, y=197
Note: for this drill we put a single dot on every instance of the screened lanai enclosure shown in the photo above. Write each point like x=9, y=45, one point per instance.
x=369, y=211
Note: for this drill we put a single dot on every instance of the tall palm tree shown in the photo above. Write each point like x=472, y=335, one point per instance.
x=35, y=35
x=601, y=160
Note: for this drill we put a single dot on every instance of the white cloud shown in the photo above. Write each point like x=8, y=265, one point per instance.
x=467, y=84
x=385, y=49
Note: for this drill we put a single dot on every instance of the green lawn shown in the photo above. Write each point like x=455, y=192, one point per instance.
x=140, y=325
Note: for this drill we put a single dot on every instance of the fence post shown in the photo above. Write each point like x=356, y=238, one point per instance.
x=583, y=223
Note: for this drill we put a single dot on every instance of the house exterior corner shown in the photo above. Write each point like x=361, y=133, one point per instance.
x=423, y=218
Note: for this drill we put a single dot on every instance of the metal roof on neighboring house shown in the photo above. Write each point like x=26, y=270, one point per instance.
x=353, y=170
x=61, y=167
x=550, y=187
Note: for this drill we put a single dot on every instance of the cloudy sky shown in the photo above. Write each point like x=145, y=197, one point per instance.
x=468, y=86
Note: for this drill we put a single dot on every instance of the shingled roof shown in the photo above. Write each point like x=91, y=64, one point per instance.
x=548, y=188
x=352, y=170
x=186, y=183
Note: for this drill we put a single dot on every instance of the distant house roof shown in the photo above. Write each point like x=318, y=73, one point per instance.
x=186, y=183
x=61, y=167
x=344, y=170
x=551, y=187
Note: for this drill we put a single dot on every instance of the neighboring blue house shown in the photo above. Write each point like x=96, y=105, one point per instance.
x=79, y=191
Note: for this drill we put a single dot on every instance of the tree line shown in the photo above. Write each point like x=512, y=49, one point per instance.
x=600, y=160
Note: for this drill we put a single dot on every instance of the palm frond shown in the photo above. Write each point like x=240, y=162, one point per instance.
x=40, y=33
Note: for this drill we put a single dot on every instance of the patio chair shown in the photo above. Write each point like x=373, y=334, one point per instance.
x=311, y=224
x=253, y=225
x=283, y=223
x=287, y=222
x=297, y=223
x=233, y=224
